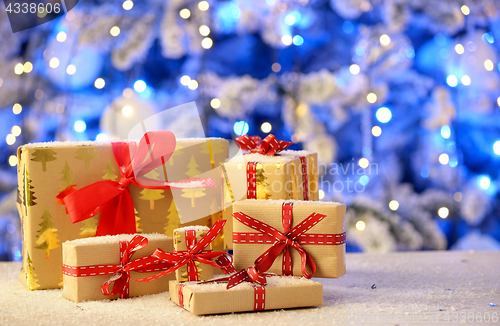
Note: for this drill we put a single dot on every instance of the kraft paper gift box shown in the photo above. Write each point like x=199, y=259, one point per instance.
x=323, y=239
x=205, y=272
x=214, y=298
x=95, y=257
x=45, y=169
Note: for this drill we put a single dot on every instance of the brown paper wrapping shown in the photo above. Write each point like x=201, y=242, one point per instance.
x=45, y=169
x=329, y=259
x=278, y=177
x=214, y=298
x=205, y=272
x=106, y=251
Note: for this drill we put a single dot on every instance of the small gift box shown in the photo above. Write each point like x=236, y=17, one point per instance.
x=290, y=237
x=185, y=238
x=267, y=171
x=109, y=267
x=215, y=298
x=111, y=188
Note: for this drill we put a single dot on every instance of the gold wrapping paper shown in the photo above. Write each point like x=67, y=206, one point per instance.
x=214, y=298
x=45, y=169
x=106, y=251
x=205, y=272
x=329, y=259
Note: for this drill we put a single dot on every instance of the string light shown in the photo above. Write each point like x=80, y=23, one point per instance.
x=127, y=92
x=17, y=108
x=240, y=128
x=394, y=205
x=140, y=86
x=385, y=40
x=28, y=67
x=10, y=139
x=127, y=5
x=266, y=127
x=485, y=182
x=384, y=115
x=459, y=48
x=102, y=137
x=16, y=130
x=286, y=40
x=444, y=159
x=488, y=65
x=360, y=225
x=54, y=63
x=363, y=163
x=71, y=70
x=193, y=84
x=12, y=160
x=496, y=147
x=215, y=103
x=298, y=40
x=354, y=69
x=185, y=13
x=445, y=131
x=465, y=80
x=185, y=80
x=19, y=69
x=276, y=67
x=204, y=30
x=465, y=10
x=80, y=126
x=376, y=131
x=443, y=212
x=498, y=101
x=61, y=37
x=207, y=43
x=458, y=197
x=452, y=81
x=99, y=83
x=302, y=109
x=203, y=5
x=371, y=98
x=321, y=194
x=115, y=31
x=127, y=111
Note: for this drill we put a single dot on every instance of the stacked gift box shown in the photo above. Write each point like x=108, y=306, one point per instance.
x=82, y=231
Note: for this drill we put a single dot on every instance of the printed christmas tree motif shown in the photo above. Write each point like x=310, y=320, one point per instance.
x=193, y=193
x=263, y=191
x=152, y=194
x=47, y=237
x=31, y=280
x=110, y=172
x=86, y=154
x=137, y=223
x=43, y=155
x=176, y=152
x=67, y=179
x=216, y=147
x=89, y=228
x=173, y=220
x=29, y=196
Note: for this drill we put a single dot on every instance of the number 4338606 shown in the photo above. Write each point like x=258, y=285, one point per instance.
x=471, y=317
x=33, y=8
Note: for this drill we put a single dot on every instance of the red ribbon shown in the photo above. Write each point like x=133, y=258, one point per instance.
x=269, y=146
x=121, y=272
x=113, y=197
x=282, y=241
x=194, y=253
x=304, y=177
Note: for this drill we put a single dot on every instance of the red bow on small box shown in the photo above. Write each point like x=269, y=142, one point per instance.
x=269, y=146
x=282, y=241
x=113, y=198
x=121, y=277
x=196, y=252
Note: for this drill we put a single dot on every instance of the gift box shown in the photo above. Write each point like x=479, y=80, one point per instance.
x=48, y=170
x=94, y=266
x=214, y=298
x=185, y=238
x=272, y=174
x=290, y=237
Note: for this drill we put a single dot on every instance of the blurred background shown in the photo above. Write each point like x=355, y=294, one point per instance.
x=400, y=98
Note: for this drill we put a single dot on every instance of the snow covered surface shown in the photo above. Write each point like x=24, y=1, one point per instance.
x=106, y=142
x=260, y=158
x=192, y=227
x=281, y=201
x=114, y=238
x=404, y=284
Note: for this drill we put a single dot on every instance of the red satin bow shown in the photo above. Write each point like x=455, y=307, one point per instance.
x=283, y=241
x=121, y=273
x=269, y=146
x=113, y=198
x=246, y=275
x=195, y=253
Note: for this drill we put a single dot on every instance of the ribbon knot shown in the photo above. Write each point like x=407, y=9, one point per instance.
x=269, y=146
x=124, y=182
